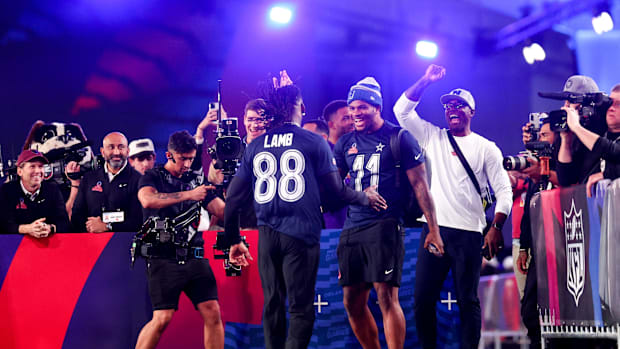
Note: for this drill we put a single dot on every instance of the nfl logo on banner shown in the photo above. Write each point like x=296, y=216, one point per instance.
x=575, y=255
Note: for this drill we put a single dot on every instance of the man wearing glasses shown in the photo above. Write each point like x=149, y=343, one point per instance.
x=460, y=212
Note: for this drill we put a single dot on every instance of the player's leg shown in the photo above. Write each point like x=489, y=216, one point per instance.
x=393, y=317
x=354, y=279
x=274, y=292
x=355, y=299
x=430, y=274
x=300, y=266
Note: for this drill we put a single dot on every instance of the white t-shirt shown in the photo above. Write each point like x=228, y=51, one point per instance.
x=457, y=203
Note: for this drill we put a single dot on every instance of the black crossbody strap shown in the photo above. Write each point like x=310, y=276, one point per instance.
x=470, y=172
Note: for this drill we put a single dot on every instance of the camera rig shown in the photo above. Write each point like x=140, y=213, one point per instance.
x=168, y=238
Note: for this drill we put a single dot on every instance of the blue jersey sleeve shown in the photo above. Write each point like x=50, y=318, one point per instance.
x=325, y=159
x=411, y=153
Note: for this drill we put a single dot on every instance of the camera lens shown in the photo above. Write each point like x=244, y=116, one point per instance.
x=516, y=163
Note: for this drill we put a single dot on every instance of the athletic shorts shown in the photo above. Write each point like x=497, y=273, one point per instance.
x=371, y=253
x=167, y=279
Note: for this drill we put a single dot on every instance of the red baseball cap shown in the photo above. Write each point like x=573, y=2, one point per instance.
x=28, y=155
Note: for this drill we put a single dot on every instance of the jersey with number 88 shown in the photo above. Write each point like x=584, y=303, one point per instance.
x=290, y=187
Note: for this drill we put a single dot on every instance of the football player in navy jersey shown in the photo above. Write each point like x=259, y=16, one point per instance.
x=371, y=249
x=286, y=169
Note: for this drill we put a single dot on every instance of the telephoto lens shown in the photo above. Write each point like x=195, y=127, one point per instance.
x=516, y=163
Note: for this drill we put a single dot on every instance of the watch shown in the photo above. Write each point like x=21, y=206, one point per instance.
x=496, y=226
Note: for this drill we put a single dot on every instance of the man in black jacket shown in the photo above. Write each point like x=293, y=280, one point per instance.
x=107, y=198
x=29, y=205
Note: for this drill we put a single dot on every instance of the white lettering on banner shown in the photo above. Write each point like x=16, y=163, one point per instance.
x=575, y=252
x=279, y=140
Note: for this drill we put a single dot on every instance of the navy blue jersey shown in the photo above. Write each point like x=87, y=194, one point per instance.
x=368, y=159
x=284, y=166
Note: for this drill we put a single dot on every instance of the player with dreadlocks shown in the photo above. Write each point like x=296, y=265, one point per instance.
x=286, y=169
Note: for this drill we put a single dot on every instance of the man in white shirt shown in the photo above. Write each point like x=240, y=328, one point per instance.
x=459, y=207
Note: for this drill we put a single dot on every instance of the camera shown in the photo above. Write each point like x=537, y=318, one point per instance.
x=591, y=114
x=533, y=149
x=223, y=245
x=536, y=121
x=228, y=148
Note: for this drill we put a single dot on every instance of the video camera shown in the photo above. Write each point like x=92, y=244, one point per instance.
x=223, y=245
x=592, y=112
x=228, y=148
x=533, y=149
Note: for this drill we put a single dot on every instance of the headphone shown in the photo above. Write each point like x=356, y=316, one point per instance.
x=171, y=158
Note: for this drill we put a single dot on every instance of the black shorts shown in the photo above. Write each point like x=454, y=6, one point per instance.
x=167, y=279
x=371, y=253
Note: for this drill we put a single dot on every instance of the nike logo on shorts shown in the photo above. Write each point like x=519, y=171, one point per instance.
x=389, y=271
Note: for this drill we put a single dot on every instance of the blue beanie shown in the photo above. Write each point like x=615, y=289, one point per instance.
x=367, y=90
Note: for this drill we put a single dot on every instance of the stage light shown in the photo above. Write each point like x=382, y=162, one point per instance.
x=280, y=14
x=533, y=53
x=426, y=49
x=602, y=22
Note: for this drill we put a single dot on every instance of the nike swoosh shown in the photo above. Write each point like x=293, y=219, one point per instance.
x=417, y=156
x=389, y=271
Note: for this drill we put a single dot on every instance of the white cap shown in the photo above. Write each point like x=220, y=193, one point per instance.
x=461, y=95
x=143, y=145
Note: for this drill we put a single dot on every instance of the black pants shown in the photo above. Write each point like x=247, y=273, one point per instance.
x=462, y=255
x=529, y=306
x=287, y=266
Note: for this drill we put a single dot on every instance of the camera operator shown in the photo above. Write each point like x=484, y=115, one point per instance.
x=575, y=162
x=107, y=197
x=142, y=155
x=165, y=192
x=606, y=147
x=30, y=205
x=254, y=123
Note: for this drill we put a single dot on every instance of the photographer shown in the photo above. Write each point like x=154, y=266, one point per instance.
x=521, y=180
x=107, y=197
x=165, y=192
x=30, y=205
x=606, y=147
x=575, y=161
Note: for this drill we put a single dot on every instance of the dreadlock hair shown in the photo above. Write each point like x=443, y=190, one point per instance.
x=280, y=103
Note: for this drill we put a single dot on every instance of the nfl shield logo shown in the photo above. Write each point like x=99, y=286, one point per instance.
x=575, y=256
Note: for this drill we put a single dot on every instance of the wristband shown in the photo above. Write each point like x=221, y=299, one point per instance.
x=496, y=226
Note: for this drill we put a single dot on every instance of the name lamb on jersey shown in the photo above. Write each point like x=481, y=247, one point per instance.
x=278, y=140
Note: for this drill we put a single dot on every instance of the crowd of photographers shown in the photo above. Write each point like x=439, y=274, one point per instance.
x=577, y=144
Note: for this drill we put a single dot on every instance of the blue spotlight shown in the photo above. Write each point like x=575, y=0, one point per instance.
x=426, y=49
x=280, y=14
